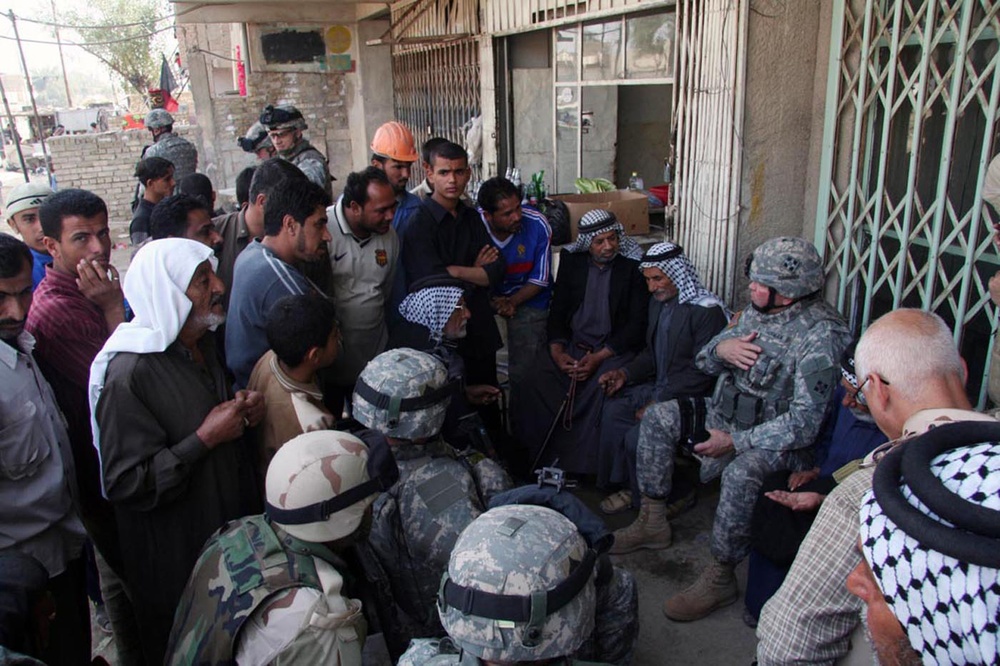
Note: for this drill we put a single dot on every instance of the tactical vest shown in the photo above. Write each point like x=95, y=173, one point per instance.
x=743, y=399
x=239, y=569
x=414, y=527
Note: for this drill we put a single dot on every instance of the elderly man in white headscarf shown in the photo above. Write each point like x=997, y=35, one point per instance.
x=683, y=316
x=930, y=537
x=168, y=432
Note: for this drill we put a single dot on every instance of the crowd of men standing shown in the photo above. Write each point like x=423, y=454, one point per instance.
x=281, y=432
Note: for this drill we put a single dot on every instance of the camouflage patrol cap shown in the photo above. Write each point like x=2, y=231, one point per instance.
x=504, y=557
x=158, y=118
x=313, y=468
x=403, y=393
x=789, y=265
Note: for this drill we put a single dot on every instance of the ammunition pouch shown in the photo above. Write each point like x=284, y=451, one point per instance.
x=744, y=409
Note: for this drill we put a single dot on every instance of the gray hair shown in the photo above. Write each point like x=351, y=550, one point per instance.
x=908, y=348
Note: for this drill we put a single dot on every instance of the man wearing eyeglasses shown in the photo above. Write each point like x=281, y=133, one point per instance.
x=777, y=365
x=911, y=378
x=284, y=127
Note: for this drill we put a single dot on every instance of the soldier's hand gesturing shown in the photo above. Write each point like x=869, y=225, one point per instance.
x=739, y=352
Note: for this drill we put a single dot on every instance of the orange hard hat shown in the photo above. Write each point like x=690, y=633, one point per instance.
x=395, y=141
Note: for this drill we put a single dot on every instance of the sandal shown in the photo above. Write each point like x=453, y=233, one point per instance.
x=617, y=502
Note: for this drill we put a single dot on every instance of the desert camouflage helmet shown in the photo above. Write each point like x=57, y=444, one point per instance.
x=403, y=393
x=504, y=558
x=158, y=118
x=789, y=265
x=283, y=116
x=313, y=470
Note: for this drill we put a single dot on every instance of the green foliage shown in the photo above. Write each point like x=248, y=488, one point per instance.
x=134, y=53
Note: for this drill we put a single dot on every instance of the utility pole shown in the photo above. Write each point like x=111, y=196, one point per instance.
x=62, y=60
x=13, y=131
x=31, y=94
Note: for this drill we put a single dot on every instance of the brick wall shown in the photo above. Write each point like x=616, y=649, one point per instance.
x=105, y=164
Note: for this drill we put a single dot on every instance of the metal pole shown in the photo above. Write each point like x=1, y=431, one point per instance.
x=31, y=91
x=13, y=130
x=62, y=60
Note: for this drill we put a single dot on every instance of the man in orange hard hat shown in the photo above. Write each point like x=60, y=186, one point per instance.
x=394, y=153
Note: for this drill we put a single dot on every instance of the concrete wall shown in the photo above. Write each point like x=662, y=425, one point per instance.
x=783, y=121
x=105, y=164
x=342, y=109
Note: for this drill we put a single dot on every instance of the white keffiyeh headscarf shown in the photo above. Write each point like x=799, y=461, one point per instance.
x=940, y=575
x=670, y=259
x=599, y=221
x=155, y=287
x=431, y=307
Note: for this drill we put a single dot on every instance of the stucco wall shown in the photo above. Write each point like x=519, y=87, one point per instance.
x=105, y=164
x=783, y=76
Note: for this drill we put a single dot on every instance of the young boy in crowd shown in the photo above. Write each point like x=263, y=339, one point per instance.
x=304, y=336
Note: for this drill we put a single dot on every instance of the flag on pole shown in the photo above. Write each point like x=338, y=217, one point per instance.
x=162, y=98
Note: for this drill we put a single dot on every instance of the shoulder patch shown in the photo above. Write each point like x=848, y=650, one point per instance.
x=735, y=319
x=820, y=376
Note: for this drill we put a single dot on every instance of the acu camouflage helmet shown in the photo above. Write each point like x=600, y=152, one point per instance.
x=255, y=139
x=403, y=393
x=791, y=266
x=158, y=118
x=505, y=557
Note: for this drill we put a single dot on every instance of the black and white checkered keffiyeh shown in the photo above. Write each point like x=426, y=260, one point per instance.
x=670, y=259
x=947, y=603
x=598, y=221
x=431, y=308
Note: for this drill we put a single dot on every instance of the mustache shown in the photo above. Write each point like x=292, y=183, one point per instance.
x=216, y=300
x=13, y=322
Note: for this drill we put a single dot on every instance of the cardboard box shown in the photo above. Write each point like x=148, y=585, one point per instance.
x=631, y=208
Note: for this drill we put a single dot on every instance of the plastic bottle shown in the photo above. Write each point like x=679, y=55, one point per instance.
x=666, y=170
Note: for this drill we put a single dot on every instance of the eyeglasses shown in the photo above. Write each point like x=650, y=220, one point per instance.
x=277, y=134
x=860, y=395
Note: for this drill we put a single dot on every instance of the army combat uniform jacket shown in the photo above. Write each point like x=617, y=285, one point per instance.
x=260, y=596
x=179, y=151
x=414, y=527
x=312, y=163
x=778, y=404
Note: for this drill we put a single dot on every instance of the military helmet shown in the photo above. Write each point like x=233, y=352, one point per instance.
x=256, y=139
x=403, y=393
x=308, y=475
x=789, y=265
x=158, y=118
x=284, y=116
x=519, y=586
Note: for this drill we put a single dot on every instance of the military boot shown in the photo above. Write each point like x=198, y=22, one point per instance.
x=650, y=530
x=715, y=588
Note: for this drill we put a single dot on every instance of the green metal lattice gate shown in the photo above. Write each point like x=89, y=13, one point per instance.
x=910, y=126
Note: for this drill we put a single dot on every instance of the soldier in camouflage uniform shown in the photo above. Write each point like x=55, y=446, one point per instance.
x=179, y=152
x=402, y=396
x=271, y=588
x=284, y=127
x=777, y=365
x=502, y=560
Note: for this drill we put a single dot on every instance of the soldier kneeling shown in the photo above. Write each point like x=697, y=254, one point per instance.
x=520, y=588
x=271, y=588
